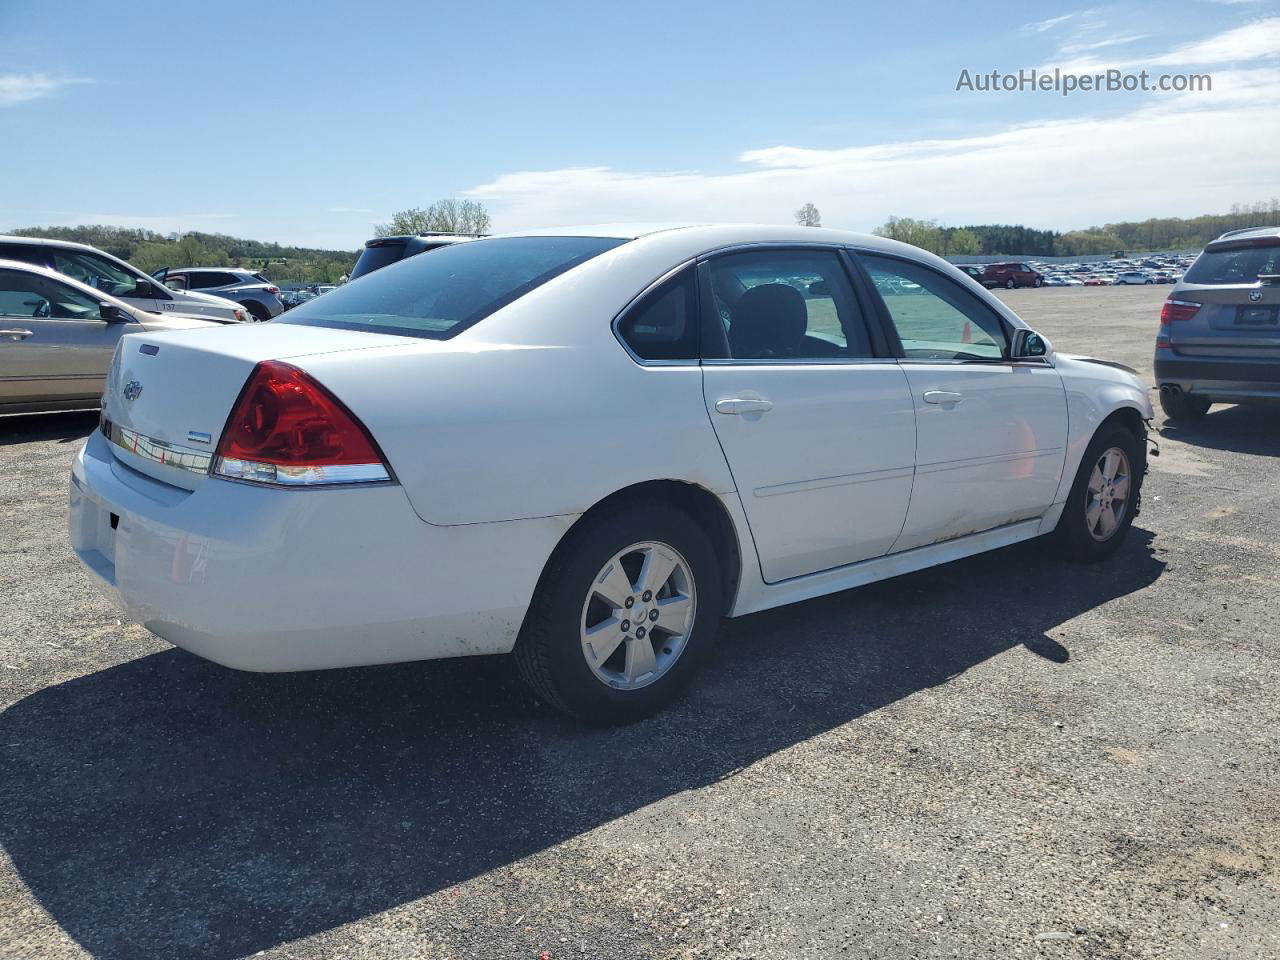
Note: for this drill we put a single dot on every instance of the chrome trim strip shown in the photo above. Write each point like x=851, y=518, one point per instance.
x=798, y=362
x=160, y=451
x=804, y=486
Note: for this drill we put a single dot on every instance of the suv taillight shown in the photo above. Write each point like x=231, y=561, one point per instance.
x=273, y=290
x=286, y=429
x=1173, y=311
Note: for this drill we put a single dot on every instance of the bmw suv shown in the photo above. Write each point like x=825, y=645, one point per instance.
x=1219, y=338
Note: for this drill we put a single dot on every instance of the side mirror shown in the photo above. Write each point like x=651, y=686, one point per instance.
x=144, y=288
x=1029, y=345
x=113, y=314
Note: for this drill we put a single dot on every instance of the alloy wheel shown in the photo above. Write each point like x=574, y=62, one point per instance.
x=638, y=615
x=1107, y=495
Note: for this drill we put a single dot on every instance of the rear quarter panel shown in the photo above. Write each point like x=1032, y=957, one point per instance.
x=480, y=432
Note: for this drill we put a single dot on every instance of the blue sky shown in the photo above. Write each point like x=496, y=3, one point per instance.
x=307, y=123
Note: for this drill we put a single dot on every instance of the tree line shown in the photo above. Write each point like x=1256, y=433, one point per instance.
x=1157, y=233
x=149, y=251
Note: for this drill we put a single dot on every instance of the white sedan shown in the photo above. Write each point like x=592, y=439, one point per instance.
x=585, y=447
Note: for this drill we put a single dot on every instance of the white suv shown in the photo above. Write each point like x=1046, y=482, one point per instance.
x=117, y=278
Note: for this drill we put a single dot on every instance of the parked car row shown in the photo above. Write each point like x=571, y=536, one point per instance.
x=1009, y=274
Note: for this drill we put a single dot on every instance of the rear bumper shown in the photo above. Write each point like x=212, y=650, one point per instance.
x=1222, y=379
x=270, y=580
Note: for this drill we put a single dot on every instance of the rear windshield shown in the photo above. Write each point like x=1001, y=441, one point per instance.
x=456, y=286
x=377, y=257
x=1234, y=266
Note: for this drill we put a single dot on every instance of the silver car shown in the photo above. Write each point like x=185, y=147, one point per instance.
x=57, y=336
x=115, y=277
x=251, y=290
x=1219, y=338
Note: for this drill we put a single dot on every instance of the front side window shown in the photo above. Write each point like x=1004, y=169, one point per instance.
x=37, y=297
x=787, y=305
x=96, y=271
x=663, y=325
x=455, y=287
x=936, y=318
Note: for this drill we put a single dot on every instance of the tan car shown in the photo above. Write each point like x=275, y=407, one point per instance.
x=57, y=336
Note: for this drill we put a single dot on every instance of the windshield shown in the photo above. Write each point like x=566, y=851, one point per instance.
x=1243, y=265
x=440, y=295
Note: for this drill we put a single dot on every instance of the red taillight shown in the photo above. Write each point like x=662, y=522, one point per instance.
x=1177, y=311
x=286, y=428
x=1173, y=311
x=273, y=290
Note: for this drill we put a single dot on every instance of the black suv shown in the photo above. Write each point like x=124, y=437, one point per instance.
x=384, y=251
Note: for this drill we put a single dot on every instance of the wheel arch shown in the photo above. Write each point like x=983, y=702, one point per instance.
x=703, y=506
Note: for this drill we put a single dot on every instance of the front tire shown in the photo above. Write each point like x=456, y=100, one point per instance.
x=1104, y=497
x=623, y=616
x=1009, y=284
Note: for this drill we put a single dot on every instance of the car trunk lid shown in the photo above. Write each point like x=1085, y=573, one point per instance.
x=168, y=395
x=1234, y=320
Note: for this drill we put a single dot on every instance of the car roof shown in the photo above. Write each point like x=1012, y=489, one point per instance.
x=217, y=269
x=46, y=242
x=721, y=234
x=1250, y=233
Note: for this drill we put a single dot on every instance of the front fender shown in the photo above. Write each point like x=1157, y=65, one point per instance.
x=1095, y=390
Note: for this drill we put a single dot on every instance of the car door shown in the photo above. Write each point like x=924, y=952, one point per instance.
x=816, y=423
x=990, y=433
x=54, y=346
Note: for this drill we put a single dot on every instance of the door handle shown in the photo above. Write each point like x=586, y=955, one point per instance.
x=15, y=333
x=942, y=396
x=739, y=406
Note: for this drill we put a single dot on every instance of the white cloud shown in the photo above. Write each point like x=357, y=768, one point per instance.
x=1059, y=174
x=1083, y=46
x=1256, y=40
x=18, y=88
x=1040, y=26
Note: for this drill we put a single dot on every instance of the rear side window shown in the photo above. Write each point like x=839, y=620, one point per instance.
x=785, y=304
x=207, y=279
x=441, y=295
x=664, y=324
x=1234, y=266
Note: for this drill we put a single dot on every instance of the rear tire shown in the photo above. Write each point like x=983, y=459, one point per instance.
x=256, y=310
x=637, y=664
x=1178, y=405
x=1105, y=495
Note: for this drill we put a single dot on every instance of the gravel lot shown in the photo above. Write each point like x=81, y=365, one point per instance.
x=1010, y=756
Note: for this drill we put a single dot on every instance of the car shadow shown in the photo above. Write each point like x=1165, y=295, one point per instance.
x=63, y=427
x=1237, y=429
x=169, y=807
